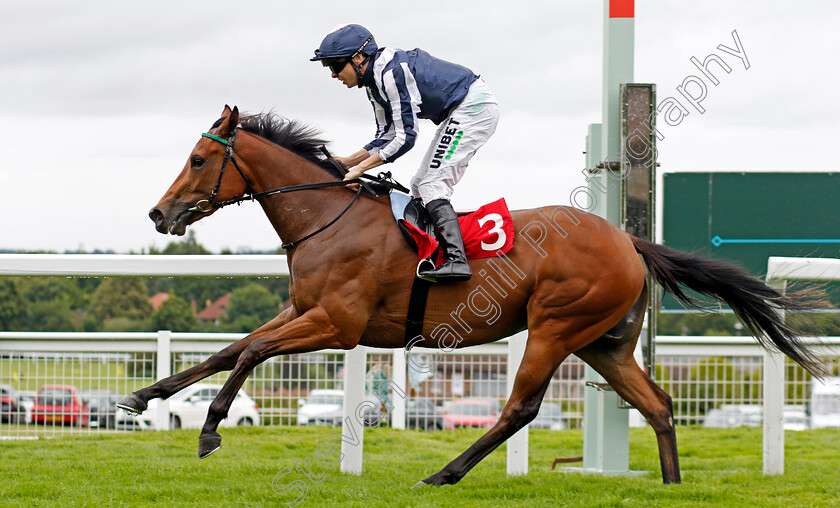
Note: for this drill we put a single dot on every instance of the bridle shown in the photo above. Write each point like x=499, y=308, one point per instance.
x=250, y=195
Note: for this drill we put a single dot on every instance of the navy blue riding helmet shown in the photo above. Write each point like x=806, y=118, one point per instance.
x=344, y=43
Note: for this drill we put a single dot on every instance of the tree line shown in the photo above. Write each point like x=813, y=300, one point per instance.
x=121, y=304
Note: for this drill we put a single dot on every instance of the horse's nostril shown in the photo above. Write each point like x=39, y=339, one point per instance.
x=156, y=215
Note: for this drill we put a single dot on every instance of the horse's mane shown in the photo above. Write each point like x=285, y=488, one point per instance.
x=292, y=135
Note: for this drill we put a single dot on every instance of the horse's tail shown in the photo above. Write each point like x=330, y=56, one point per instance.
x=755, y=303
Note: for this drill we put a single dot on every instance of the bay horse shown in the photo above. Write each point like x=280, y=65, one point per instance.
x=576, y=282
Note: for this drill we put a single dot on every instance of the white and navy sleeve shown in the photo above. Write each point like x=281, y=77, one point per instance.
x=384, y=132
x=399, y=89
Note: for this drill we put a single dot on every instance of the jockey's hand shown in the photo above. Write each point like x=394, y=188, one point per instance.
x=344, y=161
x=352, y=174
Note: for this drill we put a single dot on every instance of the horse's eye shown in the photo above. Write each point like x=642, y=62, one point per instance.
x=197, y=161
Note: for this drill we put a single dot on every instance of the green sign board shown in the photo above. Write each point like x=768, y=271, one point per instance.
x=748, y=217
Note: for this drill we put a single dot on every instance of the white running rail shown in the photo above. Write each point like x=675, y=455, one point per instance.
x=779, y=271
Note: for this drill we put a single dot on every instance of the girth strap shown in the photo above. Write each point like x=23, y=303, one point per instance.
x=416, y=309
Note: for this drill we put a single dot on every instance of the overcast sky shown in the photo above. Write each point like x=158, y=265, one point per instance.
x=103, y=101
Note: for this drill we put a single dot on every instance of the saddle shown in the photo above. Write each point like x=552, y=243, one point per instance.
x=487, y=231
x=413, y=213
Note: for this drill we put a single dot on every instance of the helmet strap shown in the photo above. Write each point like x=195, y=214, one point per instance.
x=358, y=69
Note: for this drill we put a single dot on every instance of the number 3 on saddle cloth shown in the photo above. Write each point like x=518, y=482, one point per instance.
x=487, y=232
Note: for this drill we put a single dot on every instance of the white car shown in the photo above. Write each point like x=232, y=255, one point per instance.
x=326, y=407
x=794, y=418
x=825, y=403
x=27, y=403
x=188, y=410
x=737, y=415
x=321, y=407
x=549, y=417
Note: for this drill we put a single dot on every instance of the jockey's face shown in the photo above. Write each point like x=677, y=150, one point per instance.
x=347, y=74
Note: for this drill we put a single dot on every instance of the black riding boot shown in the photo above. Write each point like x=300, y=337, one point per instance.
x=456, y=267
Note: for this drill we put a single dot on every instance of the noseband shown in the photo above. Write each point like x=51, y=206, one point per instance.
x=250, y=195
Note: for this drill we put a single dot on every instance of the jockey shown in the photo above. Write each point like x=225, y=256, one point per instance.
x=404, y=86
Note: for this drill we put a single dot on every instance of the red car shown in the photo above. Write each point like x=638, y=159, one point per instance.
x=60, y=404
x=471, y=413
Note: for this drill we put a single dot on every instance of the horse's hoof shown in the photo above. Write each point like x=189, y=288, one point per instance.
x=421, y=483
x=132, y=404
x=209, y=444
x=438, y=479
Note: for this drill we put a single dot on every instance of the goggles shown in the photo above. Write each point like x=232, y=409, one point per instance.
x=336, y=66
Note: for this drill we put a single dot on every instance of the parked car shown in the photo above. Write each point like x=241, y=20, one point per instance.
x=326, y=407
x=321, y=407
x=188, y=410
x=723, y=418
x=824, y=406
x=422, y=414
x=733, y=415
x=471, y=413
x=751, y=415
x=8, y=404
x=26, y=403
x=795, y=418
x=60, y=404
x=549, y=417
x=103, y=407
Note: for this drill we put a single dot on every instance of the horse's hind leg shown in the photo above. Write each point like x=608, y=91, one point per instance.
x=612, y=357
x=634, y=386
x=225, y=359
x=556, y=328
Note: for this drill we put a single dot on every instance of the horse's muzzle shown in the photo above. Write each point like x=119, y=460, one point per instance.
x=158, y=218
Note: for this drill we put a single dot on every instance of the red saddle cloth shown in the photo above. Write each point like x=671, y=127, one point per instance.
x=487, y=232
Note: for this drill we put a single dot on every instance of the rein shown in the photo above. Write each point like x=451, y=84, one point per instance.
x=250, y=195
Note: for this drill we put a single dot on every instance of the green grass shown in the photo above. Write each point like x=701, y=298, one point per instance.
x=720, y=468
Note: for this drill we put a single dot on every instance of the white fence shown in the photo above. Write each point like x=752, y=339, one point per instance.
x=779, y=271
x=125, y=362
x=700, y=373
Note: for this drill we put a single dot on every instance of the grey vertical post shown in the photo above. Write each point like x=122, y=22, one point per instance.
x=606, y=428
x=619, y=35
x=606, y=434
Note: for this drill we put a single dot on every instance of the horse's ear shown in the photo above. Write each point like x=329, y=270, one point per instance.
x=230, y=119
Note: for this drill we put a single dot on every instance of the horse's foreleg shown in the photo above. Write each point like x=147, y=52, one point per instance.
x=312, y=331
x=223, y=360
x=530, y=384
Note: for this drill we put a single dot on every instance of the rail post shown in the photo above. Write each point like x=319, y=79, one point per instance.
x=517, y=444
x=164, y=370
x=353, y=429
x=398, y=366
